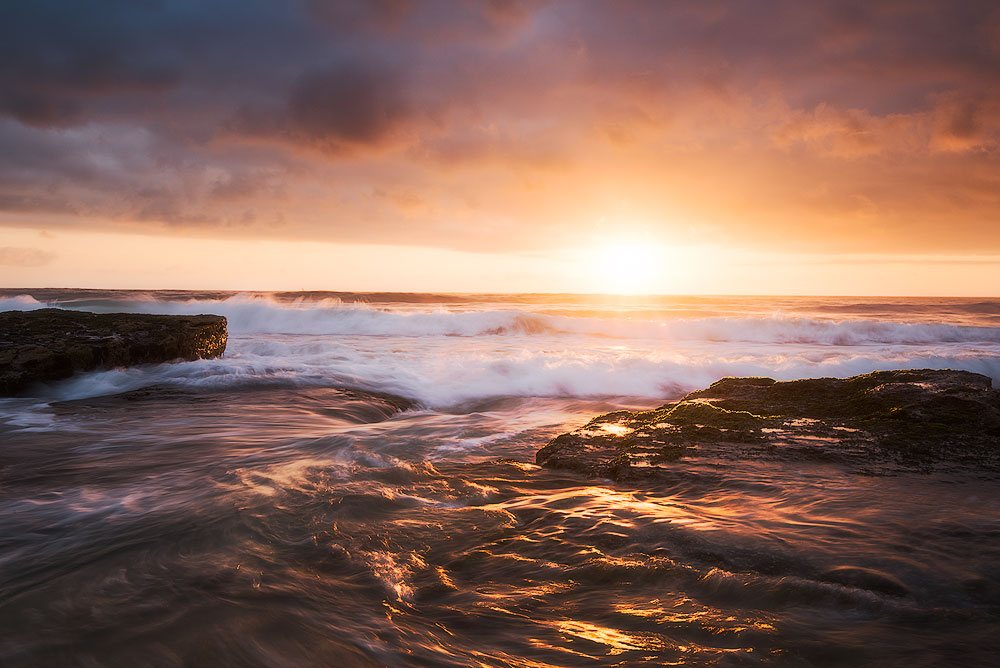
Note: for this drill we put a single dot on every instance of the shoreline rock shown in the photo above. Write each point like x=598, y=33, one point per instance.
x=52, y=344
x=912, y=419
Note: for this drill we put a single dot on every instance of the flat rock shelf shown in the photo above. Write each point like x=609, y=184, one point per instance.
x=876, y=423
x=52, y=344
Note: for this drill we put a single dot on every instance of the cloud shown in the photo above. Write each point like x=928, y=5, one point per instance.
x=14, y=256
x=853, y=133
x=334, y=109
x=967, y=124
x=346, y=104
x=506, y=125
x=57, y=59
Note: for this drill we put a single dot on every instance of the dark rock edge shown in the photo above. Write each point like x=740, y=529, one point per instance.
x=52, y=344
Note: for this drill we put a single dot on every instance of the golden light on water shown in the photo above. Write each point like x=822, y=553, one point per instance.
x=614, y=640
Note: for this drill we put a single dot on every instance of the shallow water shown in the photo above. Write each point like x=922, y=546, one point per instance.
x=245, y=511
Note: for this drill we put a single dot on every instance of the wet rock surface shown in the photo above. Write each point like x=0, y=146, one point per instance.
x=876, y=423
x=51, y=344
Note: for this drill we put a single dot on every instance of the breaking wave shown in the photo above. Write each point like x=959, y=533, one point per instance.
x=473, y=375
x=249, y=315
x=442, y=355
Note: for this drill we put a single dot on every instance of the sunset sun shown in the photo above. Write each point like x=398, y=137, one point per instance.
x=626, y=268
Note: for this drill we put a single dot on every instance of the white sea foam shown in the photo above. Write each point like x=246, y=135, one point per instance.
x=442, y=357
x=440, y=376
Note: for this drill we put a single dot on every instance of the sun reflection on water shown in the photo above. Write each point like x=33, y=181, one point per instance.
x=614, y=640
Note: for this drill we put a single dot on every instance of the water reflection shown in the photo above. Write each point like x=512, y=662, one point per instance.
x=339, y=531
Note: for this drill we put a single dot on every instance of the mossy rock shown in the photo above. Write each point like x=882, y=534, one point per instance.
x=708, y=414
x=912, y=417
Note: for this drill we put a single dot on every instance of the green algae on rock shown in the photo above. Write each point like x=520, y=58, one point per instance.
x=909, y=419
x=51, y=344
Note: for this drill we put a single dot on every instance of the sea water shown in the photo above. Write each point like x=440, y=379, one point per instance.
x=354, y=483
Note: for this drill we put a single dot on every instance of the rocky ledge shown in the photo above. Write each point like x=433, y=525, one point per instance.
x=50, y=344
x=877, y=422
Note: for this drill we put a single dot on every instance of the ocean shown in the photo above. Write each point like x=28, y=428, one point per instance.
x=354, y=483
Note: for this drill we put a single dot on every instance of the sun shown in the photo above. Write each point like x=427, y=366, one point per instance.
x=625, y=268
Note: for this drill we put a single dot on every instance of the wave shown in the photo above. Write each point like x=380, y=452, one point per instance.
x=440, y=378
x=825, y=332
x=441, y=356
x=249, y=315
x=21, y=303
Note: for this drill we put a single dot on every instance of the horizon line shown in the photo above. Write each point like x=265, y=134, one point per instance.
x=524, y=294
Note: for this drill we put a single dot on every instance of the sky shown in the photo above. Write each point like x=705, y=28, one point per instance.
x=562, y=146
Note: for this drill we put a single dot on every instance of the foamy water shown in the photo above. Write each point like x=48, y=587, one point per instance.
x=249, y=511
x=440, y=354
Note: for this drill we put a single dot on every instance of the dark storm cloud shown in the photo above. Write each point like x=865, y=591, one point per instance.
x=346, y=104
x=335, y=108
x=248, y=116
x=57, y=58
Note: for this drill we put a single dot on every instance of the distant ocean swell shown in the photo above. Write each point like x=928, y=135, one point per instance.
x=262, y=315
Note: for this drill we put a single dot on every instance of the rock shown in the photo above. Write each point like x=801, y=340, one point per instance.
x=912, y=418
x=50, y=344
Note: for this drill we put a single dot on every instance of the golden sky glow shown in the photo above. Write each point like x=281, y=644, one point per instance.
x=629, y=146
x=110, y=260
